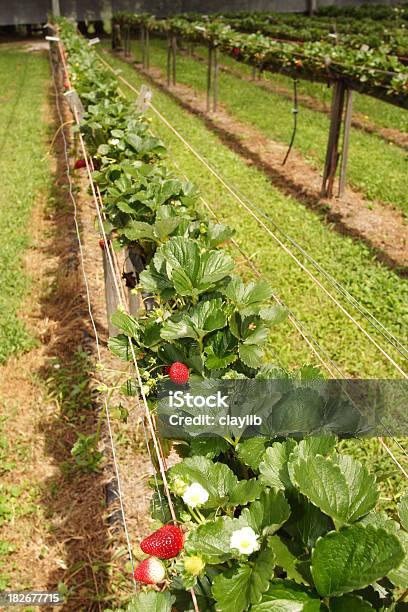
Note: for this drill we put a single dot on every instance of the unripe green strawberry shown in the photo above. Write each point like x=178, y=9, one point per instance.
x=194, y=565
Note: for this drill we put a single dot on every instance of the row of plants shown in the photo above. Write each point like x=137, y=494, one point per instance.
x=372, y=71
x=390, y=35
x=262, y=524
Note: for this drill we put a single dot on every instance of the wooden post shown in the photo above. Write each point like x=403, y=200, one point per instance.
x=346, y=140
x=332, y=154
x=174, y=54
x=215, y=83
x=311, y=7
x=111, y=297
x=147, y=48
x=142, y=44
x=168, y=59
x=210, y=54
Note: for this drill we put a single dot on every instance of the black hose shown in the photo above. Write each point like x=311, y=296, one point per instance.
x=295, y=116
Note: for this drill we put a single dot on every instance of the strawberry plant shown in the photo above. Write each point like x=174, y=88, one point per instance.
x=374, y=70
x=263, y=523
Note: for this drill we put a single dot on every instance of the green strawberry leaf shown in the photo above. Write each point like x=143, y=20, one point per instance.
x=208, y=447
x=220, y=351
x=251, y=451
x=151, y=601
x=285, y=559
x=274, y=314
x=126, y=323
x=119, y=346
x=212, y=540
x=244, y=492
x=349, y=603
x=237, y=589
x=307, y=522
x=287, y=596
x=267, y=514
x=137, y=230
x=403, y=511
x=248, y=298
x=274, y=466
x=217, y=233
x=399, y=576
x=250, y=355
x=341, y=487
x=216, y=478
x=353, y=558
x=155, y=281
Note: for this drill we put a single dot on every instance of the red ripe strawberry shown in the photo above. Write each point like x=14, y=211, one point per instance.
x=80, y=163
x=164, y=543
x=150, y=571
x=236, y=52
x=102, y=243
x=179, y=373
x=66, y=85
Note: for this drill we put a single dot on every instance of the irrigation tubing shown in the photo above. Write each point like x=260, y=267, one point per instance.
x=295, y=112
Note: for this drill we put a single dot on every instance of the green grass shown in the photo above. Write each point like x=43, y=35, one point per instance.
x=24, y=82
x=351, y=263
x=376, y=168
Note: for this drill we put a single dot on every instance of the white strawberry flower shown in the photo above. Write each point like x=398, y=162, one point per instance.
x=244, y=540
x=114, y=141
x=195, y=495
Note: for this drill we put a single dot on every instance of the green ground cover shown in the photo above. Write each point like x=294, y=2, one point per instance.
x=24, y=175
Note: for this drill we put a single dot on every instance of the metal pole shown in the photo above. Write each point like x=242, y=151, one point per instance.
x=56, y=11
x=147, y=48
x=210, y=54
x=215, y=92
x=332, y=154
x=168, y=59
x=142, y=44
x=346, y=141
x=174, y=52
